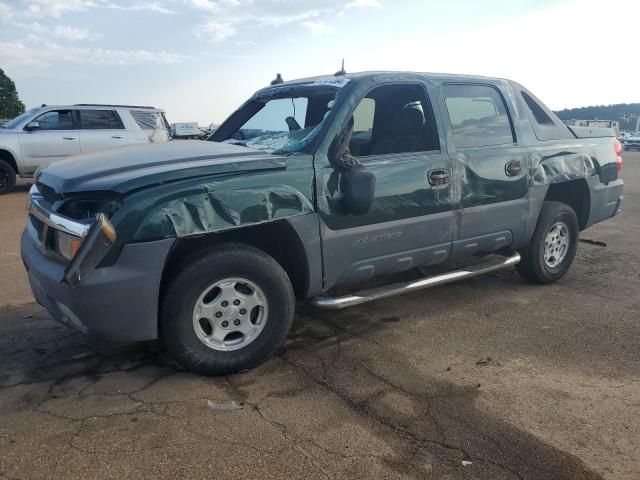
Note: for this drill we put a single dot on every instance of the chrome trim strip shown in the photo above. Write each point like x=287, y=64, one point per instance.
x=338, y=303
x=40, y=208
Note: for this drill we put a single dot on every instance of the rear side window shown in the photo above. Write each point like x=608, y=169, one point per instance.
x=546, y=125
x=100, y=120
x=536, y=110
x=478, y=116
x=148, y=119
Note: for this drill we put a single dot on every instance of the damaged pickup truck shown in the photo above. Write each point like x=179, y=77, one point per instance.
x=309, y=186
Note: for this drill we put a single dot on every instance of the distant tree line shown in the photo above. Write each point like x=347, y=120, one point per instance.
x=10, y=104
x=625, y=113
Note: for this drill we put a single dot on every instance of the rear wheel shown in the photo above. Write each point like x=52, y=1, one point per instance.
x=7, y=177
x=553, y=246
x=227, y=310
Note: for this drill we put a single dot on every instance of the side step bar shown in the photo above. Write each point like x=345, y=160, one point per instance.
x=338, y=303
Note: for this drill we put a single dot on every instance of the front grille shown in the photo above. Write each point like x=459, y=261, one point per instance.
x=38, y=227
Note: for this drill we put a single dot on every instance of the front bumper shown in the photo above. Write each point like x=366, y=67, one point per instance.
x=118, y=302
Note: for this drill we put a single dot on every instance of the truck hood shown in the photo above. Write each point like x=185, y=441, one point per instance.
x=125, y=169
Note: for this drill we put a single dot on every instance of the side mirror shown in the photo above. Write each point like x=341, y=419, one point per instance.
x=31, y=126
x=358, y=188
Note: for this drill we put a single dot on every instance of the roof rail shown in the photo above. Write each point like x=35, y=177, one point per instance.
x=109, y=105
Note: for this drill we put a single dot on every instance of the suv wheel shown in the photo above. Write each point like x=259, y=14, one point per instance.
x=7, y=177
x=553, y=246
x=227, y=310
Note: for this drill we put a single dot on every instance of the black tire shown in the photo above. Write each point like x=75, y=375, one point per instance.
x=196, y=276
x=7, y=177
x=533, y=266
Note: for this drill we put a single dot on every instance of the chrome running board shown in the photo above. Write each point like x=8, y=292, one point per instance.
x=338, y=303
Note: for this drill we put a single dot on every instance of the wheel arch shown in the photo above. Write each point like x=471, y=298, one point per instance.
x=281, y=239
x=575, y=194
x=7, y=156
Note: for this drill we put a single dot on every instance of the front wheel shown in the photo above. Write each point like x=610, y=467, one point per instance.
x=7, y=177
x=227, y=310
x=553, y=246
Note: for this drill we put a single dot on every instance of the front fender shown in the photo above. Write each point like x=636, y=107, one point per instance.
x=212, y=210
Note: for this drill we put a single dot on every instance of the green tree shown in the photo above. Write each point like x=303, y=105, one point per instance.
x=10, y=104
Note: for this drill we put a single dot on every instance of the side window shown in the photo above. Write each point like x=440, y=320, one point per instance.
x=363, y=116
x=56, y=120
x=546, y=126
x=100, y=120
x=478, y=116
x=147, y=120
x=536, y=110
x=394, y=119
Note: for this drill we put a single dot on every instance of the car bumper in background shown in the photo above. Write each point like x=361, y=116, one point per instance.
x=119, y=302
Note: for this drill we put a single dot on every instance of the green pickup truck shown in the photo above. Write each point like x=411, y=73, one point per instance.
x=308, y=191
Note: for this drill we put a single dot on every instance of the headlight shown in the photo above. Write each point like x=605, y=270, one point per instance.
x=93, y=249
x=66, y=245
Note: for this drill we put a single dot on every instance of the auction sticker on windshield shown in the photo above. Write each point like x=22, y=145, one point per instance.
x=333, y=82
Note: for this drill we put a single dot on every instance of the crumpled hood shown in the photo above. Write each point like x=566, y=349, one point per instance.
x=124, y=169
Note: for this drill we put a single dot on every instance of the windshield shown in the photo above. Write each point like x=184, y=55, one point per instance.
x=20, y=118
x=280, y=120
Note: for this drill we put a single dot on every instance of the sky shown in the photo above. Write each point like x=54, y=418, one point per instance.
x=200, y=59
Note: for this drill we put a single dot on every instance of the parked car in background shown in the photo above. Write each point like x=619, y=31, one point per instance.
x=50, y=133
x=309, y=187
x=187, y=131
x=632, y=141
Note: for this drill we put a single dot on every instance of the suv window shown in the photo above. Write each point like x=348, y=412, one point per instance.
x=55, y=120
x=148, y=119
x=478, y=115
x=100, y=120
x=546, y=126
x=536, y=110
x=394, y=119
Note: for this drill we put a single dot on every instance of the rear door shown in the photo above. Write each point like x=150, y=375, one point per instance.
x=411, y=221
x=489, y=168
x=56, y=138
x=101, y=130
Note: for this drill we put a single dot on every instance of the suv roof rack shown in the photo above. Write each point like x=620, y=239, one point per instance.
x=109, y=105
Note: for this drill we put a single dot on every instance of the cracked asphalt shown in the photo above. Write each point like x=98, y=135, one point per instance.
x=491, y=378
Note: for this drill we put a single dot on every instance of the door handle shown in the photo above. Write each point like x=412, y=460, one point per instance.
x=117, y=136
x=438, y=177
x=513, y=168
x=69, y=138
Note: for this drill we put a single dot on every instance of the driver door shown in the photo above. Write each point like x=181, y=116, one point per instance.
x=410, y=222
x=57, y=137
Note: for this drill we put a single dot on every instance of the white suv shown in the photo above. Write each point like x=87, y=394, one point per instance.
x=49, y=133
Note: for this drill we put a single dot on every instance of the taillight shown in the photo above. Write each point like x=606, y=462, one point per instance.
x=617, y=147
